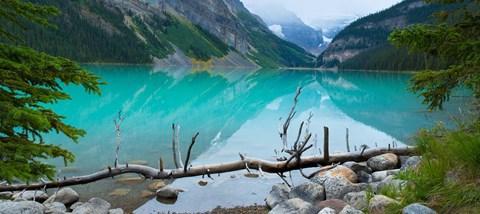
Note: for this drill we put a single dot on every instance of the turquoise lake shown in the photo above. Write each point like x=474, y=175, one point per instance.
x=235, y=110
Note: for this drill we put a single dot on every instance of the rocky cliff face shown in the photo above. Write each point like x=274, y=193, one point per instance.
x=217, y=17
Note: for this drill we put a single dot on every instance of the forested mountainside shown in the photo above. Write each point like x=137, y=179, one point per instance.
x=166, y=32
x=364, y=45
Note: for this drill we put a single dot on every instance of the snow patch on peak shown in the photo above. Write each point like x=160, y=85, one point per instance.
x=326, y=39
x=277, y=30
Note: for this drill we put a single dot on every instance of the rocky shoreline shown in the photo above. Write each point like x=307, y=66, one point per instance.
x=351, y=187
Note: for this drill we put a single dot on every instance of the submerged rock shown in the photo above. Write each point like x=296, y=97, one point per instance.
x=138, y=162
x=147, y=194
x=277, y=195
x=71, y=169
x=383, y=162
x=251, y=175
x=30, y=207
x=202, y=182
x=130, y=180
x=167, y=192
x=120, y=192
x=93, y=206
x=154, y=186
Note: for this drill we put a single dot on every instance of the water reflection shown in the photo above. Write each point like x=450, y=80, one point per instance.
x=235, y=111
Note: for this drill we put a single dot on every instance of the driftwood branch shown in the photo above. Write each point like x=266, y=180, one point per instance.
x=117, y=124
x=194, y=138
x=283, y=132
x=252, y=163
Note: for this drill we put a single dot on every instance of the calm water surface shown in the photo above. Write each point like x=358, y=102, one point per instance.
x=235, y=111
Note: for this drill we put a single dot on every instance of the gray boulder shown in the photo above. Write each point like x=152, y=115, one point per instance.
x=364, y=177
x=383, y=162
x=116, y=211
x=337, y=188
x=417, y=209
x=327, y=210
x=277, y=195
x=358, y=200
x=65, y=196
x=378, y=204
x=24, y=207
x=350, y=210
x=357, y=167
x=75, y=205
x=55, y=208
x=308, y=191
x=295, y=205
x=39, y=196
x=403, y=159
x=382, y=175
x=167, y=192
x=390, y=182
x=93, y=206
x=411, y=162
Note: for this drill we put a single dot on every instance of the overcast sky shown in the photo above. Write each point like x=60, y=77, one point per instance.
x=317, y=13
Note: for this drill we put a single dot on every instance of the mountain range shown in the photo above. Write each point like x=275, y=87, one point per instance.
x=164, y=32
x=287, y=25
x=364, y=43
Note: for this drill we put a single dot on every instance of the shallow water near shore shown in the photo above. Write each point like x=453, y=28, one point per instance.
x=235, y=111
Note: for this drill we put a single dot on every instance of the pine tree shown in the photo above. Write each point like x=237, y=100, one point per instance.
x=29, y=81
x=455, y=37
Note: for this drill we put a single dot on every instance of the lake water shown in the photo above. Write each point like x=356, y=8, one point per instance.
x=235, y=111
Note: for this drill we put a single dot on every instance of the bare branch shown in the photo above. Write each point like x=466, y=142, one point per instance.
x=292, y=113
x=117, y=124
x=298, y=136
x=346, y=139
x=283, y=178
x=194, y=138
x=175, y=151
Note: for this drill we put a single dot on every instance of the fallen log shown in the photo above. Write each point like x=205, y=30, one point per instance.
x=245, y=162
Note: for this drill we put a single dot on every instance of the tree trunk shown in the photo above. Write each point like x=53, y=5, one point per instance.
x=252, y=163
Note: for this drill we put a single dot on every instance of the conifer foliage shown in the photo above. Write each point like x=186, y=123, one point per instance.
x=29, y=81
x=455, y=37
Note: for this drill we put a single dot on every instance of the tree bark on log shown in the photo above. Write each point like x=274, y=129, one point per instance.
x=252, y=163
